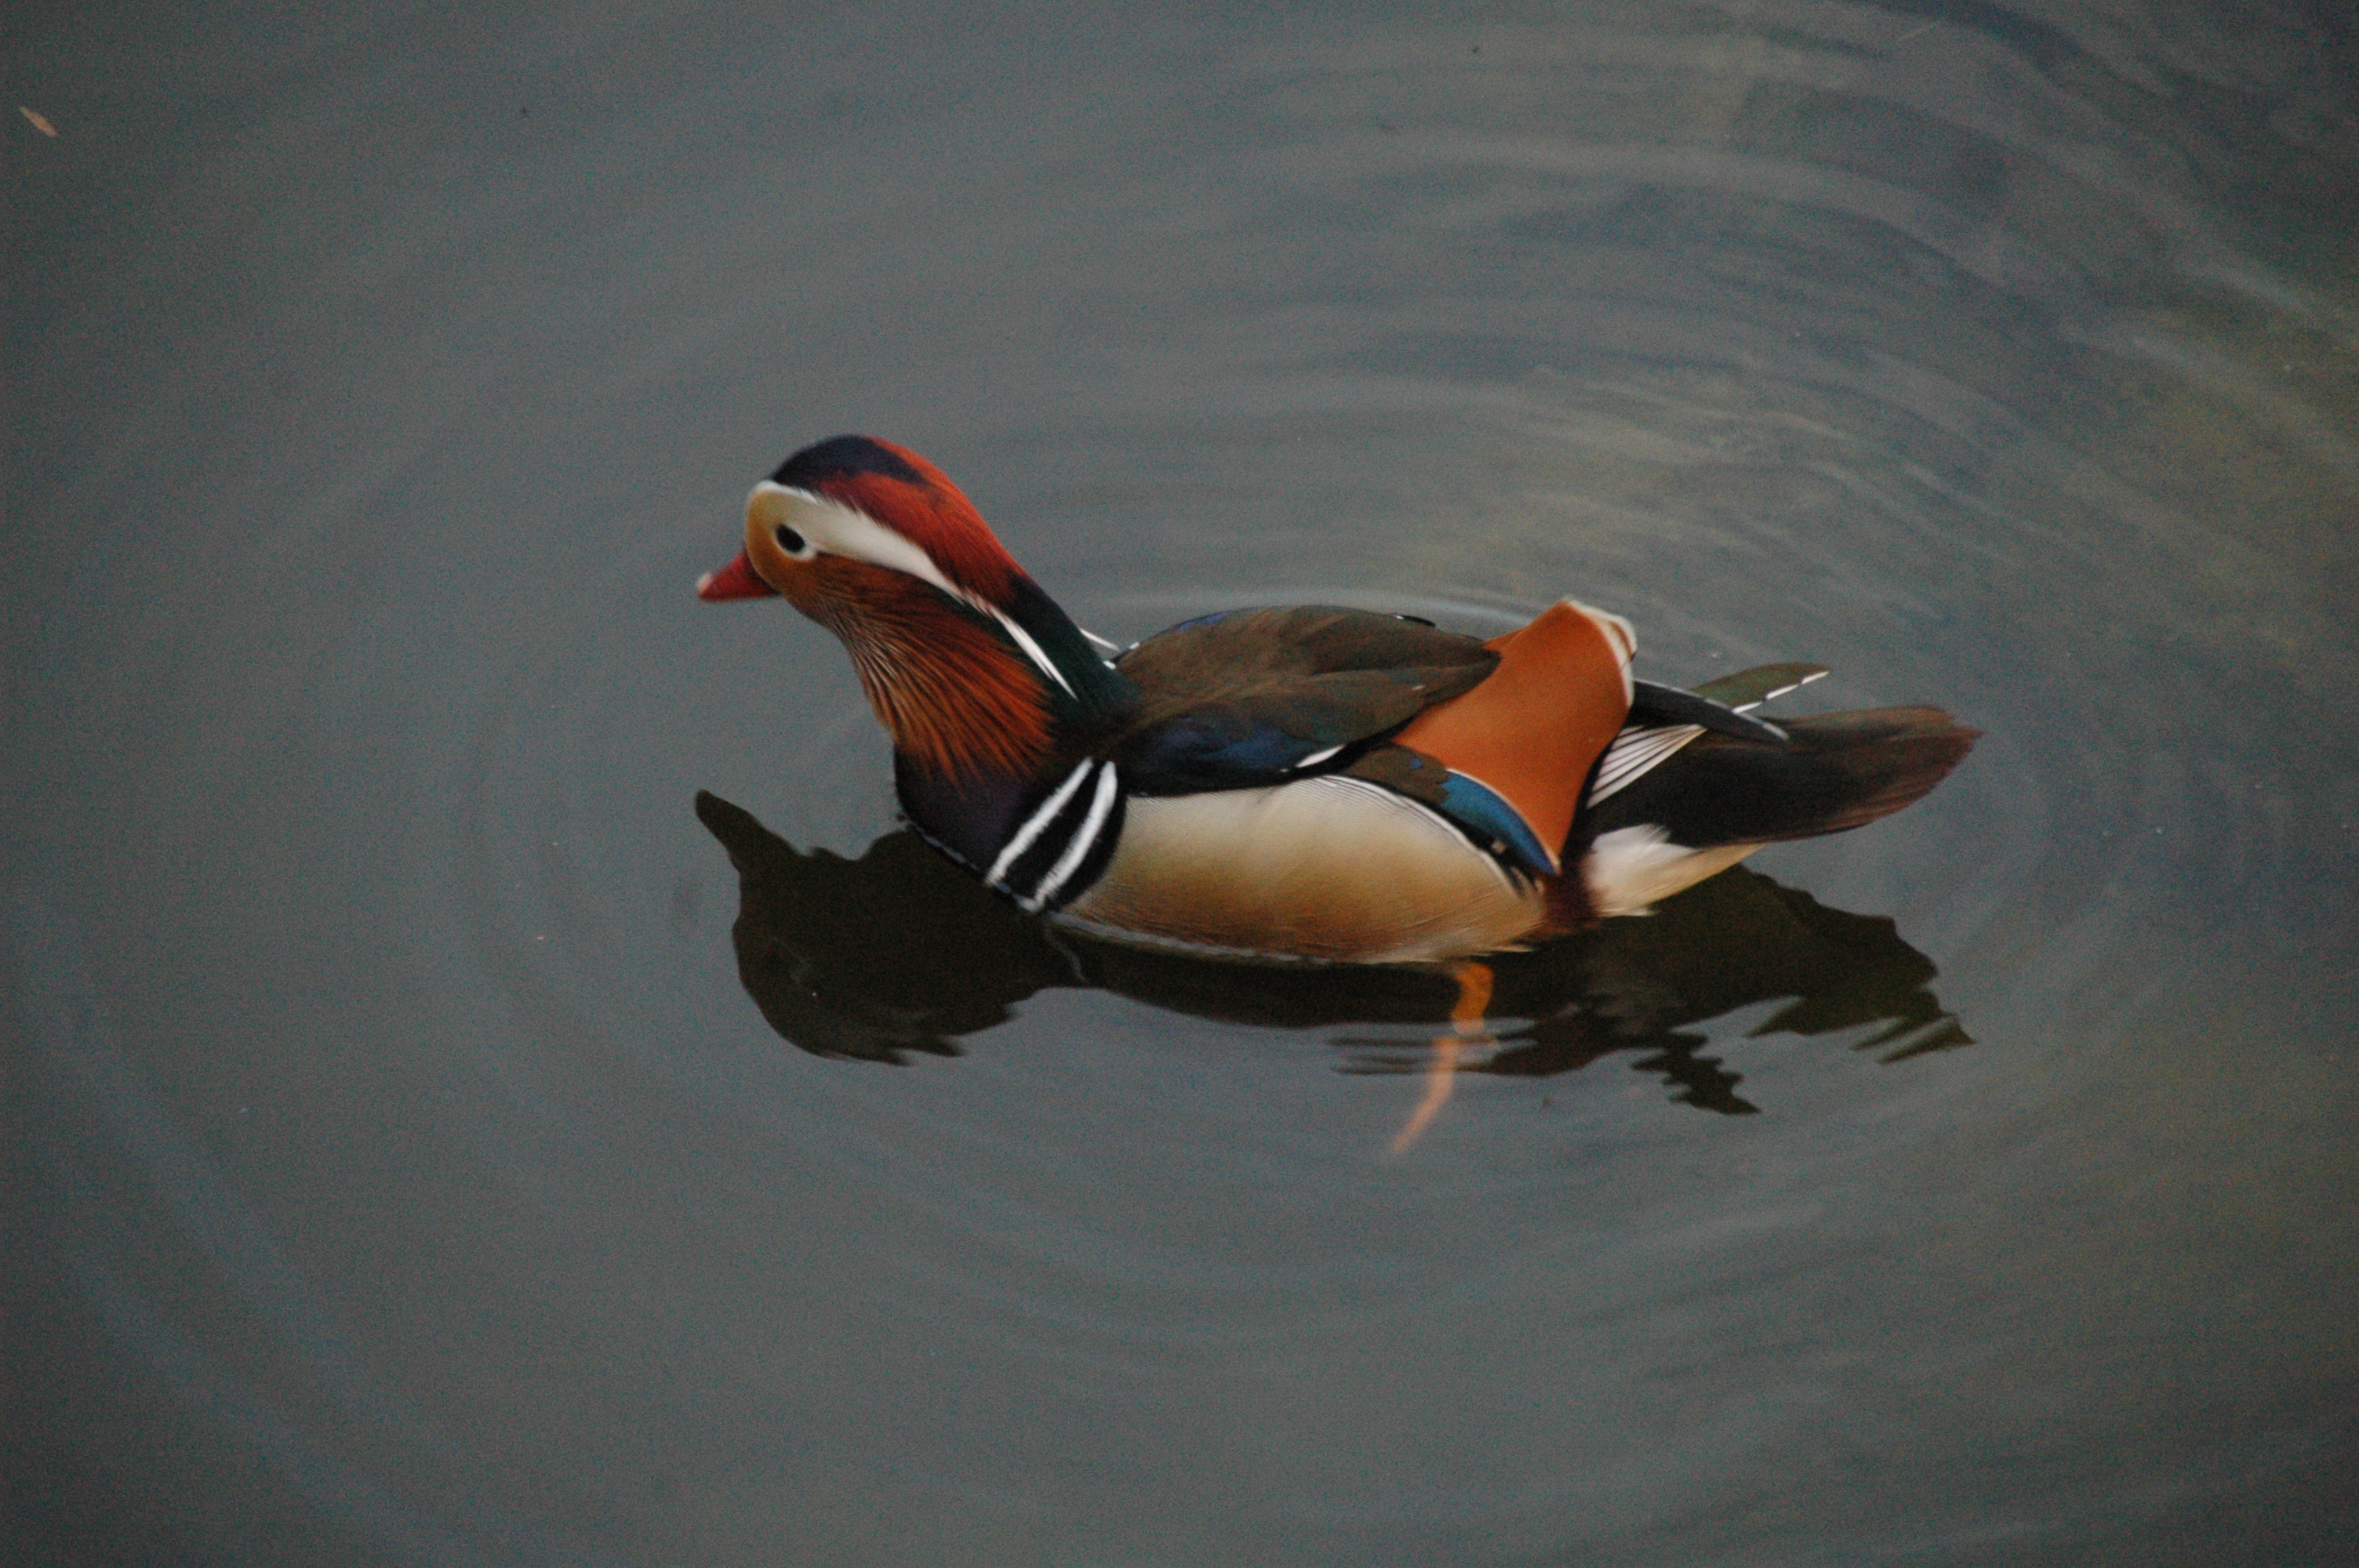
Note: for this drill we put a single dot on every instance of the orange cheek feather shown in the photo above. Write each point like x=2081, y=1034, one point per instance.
x=953, y=696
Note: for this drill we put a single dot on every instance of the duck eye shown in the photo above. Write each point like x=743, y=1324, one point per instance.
x=794, y=543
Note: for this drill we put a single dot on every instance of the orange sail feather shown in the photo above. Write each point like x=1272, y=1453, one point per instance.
x=1535, y=727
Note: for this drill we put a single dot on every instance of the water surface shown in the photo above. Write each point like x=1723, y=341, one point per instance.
x=409, y=1164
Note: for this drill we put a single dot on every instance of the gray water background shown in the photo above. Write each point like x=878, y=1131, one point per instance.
x=397, y=1171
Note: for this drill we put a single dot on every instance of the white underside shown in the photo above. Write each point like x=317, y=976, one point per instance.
x=1631, y=870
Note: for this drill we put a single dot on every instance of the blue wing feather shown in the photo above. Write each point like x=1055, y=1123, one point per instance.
x=1199, y=752
x=1474, y=805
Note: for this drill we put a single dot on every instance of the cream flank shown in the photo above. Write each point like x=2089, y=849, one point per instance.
x=1327, y=868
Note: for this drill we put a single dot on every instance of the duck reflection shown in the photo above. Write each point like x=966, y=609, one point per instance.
x=899, y=951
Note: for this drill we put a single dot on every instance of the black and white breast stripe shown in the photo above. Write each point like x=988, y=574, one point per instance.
x=1059, y=849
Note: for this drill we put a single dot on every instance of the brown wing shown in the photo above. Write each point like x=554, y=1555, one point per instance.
x=1259, y=695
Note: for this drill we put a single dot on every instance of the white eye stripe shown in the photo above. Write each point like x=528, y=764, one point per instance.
x=842, y=530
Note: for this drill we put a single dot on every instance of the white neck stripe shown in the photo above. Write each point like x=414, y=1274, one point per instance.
x=1032, y=649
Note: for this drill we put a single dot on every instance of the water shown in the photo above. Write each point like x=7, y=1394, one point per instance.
x=402, y=1170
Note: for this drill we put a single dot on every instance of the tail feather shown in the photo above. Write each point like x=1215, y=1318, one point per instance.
x=1838, y=771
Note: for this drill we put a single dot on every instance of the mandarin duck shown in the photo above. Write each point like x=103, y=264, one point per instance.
x=1304, y=783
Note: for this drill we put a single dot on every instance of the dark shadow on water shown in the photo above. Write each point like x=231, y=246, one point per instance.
x=900, y=951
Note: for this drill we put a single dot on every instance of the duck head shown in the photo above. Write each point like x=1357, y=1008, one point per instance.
x=971, y=668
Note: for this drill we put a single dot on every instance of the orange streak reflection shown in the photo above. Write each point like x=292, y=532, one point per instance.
x=1465, y=1028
